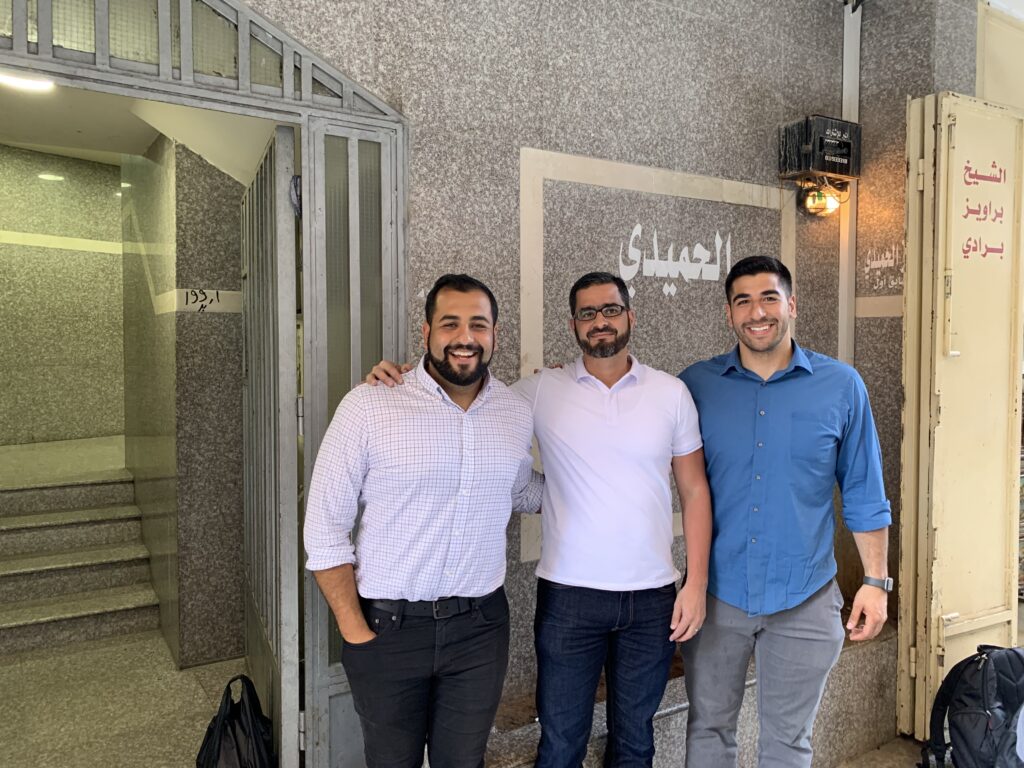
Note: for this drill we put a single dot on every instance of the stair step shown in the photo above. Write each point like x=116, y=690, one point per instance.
x=71, y=559
x=62, y=478
x=92, y=603
x=25, y=577
x=54, y=621
x=81, y=494
x=49, y=531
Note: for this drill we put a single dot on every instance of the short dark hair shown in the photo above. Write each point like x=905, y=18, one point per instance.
x=758, y=265
x=462, y=284
x=598, y=278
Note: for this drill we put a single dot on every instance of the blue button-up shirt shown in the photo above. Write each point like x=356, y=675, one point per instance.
x=775, y=450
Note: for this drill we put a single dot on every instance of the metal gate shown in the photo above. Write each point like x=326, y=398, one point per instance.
x=270, y=440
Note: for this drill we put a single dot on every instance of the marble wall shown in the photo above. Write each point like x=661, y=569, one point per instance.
x=61, y=368
x=184, y=396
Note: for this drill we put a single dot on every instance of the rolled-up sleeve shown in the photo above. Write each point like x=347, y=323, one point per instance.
x=333, y=498
x=859, y=467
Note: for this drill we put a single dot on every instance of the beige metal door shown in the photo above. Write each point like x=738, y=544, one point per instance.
x=962, y=380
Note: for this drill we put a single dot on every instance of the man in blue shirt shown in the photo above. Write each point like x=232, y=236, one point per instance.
x=781, y=426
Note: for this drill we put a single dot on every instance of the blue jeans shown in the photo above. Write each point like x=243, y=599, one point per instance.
x=578, y=631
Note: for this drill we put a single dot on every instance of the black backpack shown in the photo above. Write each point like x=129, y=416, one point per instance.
x=240, y=735
x=981, y=695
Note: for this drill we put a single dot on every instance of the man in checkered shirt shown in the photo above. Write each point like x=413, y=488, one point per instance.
x=436, y=466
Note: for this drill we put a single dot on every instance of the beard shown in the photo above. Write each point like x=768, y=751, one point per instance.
x=451, y=374
x=604, y=348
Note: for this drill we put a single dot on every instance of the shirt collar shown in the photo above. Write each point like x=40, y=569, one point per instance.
x=731, y=362
x=428, y=383
x=635, y=372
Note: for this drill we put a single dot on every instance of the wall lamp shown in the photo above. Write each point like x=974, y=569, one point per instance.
x=821, y=155
x=822, y=197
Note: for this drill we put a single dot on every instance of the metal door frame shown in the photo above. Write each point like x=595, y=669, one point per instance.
x=270, y=543
x=324, y=681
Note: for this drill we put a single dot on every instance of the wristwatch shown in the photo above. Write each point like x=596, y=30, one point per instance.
x=885, y=583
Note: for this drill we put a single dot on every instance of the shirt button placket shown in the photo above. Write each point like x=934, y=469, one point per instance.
x=456, y=541
x=756, y=561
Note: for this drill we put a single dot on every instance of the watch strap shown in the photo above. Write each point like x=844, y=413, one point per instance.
x=885, y=583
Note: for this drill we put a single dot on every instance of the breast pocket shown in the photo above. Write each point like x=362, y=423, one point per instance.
x=814, y=440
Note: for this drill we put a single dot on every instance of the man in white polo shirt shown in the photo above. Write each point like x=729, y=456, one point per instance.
x=611, y=430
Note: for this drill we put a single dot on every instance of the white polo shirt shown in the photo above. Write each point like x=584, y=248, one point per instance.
x=607, y=453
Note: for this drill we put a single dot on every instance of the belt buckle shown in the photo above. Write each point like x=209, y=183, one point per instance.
x=439, y=604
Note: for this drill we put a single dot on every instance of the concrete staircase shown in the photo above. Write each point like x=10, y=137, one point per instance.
x=72, y=563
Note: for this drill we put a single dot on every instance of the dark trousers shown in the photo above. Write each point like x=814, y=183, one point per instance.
x=578, y=631
x=429, y=682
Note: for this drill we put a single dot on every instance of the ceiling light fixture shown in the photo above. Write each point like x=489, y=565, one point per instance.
x=125, y=185
x=31, y=84
x=50, y=177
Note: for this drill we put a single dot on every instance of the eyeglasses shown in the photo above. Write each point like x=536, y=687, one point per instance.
x=586, y=314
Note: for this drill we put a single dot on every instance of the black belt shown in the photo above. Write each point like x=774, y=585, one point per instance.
x=444, y=608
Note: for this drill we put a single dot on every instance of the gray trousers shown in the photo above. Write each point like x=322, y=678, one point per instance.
x=794, y=651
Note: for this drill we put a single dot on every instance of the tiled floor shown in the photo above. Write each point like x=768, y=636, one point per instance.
x=117, y=703
x=42, y=464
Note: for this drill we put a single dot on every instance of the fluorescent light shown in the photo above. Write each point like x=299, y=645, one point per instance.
x=50, y=177
x=125, y=185
x=117, y=194
x=35, y=84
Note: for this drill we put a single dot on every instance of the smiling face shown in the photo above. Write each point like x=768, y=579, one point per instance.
x=460, y=338
x=602, y=336
x=759, y=312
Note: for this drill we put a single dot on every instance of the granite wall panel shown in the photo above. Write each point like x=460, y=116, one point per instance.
x=208, y=404
x=681, y=319
x=692, y=86
x=83, y=204
x=881, y=366
x=148, y=220
x=61, y=363
x=183, y=402
x=209, y=442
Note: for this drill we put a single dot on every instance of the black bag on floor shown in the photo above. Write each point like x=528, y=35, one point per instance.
x=981, y=696
x=240, y=735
